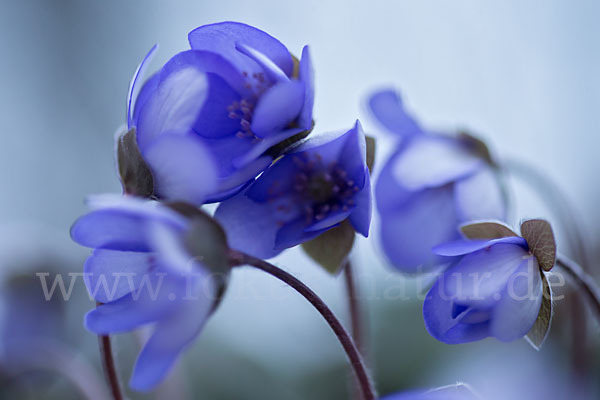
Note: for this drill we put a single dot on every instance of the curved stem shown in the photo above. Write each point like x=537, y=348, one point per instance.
x=108, y=363
x=554, y=197
x=584, y=281
x=238, y=259
x=550, y=193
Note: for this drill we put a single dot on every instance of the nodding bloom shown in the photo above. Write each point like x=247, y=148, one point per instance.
x=317, y=186
x=238, y=98
x=431, y=184
x=453, y=392
x=495, y=288
x=143, y=272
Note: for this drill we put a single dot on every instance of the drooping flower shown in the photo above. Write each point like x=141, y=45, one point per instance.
x=228, y=107
x=452, y=392
x=147, y=270
x=496, y=288
x=317, y=186
x=431, y=184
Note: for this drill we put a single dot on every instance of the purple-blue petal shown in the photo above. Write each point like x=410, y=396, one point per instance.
x=130, y=312
x=410, y=230
x=110, y=274
x=389, y=195
x=462, y=247
x=263, y=145
x=174, y=106
x=275, y=181
x=182, y=168
x=277, y=108
x=520, y=302
x=145, y=93
x=214, y=119
x=221, y=38
x=387, y=107
x=331, y=220
x=479, y=278
x=307, y=76
x=452, y=392
x=111, y=229
x=272, y=70
x=251, y=227
x=353, y=155
x=135, y=82
x=171, y=336
x=294, y=232
x=208, y=62
x=432, y=161
x=361, y=215
x=120, y=223
x=480, y=196
x=442, y=325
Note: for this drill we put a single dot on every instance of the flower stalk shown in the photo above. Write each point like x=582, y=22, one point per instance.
x=108, y=364
x=356, y=321
x=583, y=281
x=366, y=385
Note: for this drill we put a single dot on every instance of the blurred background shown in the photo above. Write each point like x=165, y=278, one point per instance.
x=523, y=75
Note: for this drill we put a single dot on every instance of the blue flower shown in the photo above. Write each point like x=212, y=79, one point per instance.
x=227, y=107
x=495, y=289
x=143, y=272
x=453, y=392
x=430, y=185
x=317, y=186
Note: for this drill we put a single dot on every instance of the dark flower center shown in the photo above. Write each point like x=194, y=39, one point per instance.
x=322, y=188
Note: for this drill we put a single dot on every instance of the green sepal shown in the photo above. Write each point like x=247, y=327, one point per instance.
x=540, y=239
x=330, y=249
x=538, y=333
x=135, y=174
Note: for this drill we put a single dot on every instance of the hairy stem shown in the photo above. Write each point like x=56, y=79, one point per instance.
x=553, y=196
x=238, y=259
x=353, y=305
x=583, y=281
x=355, y=316
x=108, y=363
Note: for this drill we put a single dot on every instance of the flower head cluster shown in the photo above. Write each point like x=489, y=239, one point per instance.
x=215, y=116
x=430, y=185
x=201, y=129
x=146, y=271
x=497, y=286
x=315, y=187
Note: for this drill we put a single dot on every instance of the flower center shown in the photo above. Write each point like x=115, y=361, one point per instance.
x=243, y=110
x=323, y=189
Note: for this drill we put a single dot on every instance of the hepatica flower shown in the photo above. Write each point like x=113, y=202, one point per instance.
x=430, y=185
x=237, y=99
x=149, y=269
x=496, y=288
x=321, y=184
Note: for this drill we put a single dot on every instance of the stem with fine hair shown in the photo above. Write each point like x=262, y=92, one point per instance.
x=355, y=316
x=353, y=305
x=583, y=281
x=108, y=364
x=239, y=259
x=553, y=196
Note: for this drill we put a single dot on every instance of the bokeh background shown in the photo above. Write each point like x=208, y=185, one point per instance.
x=523, y=75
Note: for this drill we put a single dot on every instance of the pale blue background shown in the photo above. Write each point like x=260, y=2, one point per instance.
x=521, y=74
